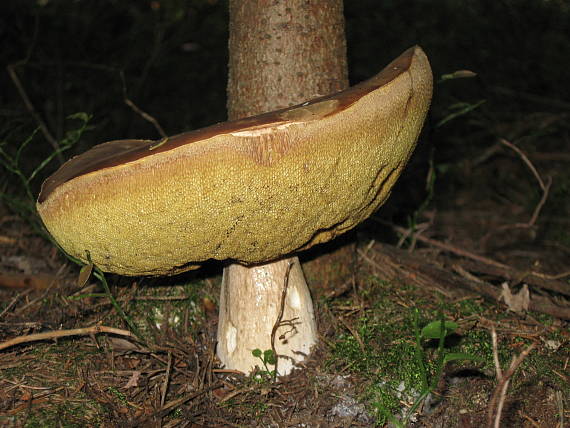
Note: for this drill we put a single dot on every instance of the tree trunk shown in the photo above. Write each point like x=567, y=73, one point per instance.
x=281, y=53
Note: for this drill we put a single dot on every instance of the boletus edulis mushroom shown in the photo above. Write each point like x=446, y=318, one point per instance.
x=248, y=191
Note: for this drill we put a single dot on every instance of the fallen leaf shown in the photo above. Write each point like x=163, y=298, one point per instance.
x=122, y=345
x=209, y=305
x=517, y=302
x=37, y=281
x=26, y=395
x=133, y=380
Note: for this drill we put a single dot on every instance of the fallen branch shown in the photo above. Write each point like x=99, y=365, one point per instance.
x=536, y=279
x=487, y=265
x=166, y=380
x=396, y=264
x=449, y=247
x=13, y=302
x=87, y=331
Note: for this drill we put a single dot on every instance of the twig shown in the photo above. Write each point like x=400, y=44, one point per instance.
x=560, y=403
x=33, y=401
x=146, y=117
x=354, y=333
x=499, y=394
x=506, y=379
x=498, y=369
x=525, y=160
x=31, y=109
x=528, y=418
x=516, y=276
x=87, y=331
x=13, y=302
x=396, y=264
x=11, y=68
x=500, y=268
x=164, y=410
x=140, y=112
x=228, y=371
x=554, y=276
x=166, y=380
x=7, y=240
x=236, y=392
x=43, y=295
x=545, y=187
x=451, y=248
x=540, y=204
x=280, y=315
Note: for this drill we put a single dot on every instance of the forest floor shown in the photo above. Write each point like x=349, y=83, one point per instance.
x=470, y=262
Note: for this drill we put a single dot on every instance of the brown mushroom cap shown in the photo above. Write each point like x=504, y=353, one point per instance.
x=250, y=190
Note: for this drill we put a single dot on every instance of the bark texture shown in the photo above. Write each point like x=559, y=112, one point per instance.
x=281, y=53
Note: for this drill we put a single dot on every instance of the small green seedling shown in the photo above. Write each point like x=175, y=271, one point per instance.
x=438, y=330
x=267, y=358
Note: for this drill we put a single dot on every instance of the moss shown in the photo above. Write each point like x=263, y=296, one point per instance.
x=70, y=414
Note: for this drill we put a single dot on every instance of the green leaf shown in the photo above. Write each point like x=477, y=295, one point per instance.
x=433, y=329
x=80, y=116
x=460, y=109
x=256, y=353
x=455, y=356
x=269, y=357
x=459, y=74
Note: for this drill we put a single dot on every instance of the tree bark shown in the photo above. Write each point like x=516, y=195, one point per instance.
x=281, y=53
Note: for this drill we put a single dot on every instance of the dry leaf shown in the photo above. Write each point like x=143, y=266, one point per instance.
x=84, y=275
x=133, y=380
x=517, y=302
x=209, y=305
x=122, y=345
x=26, y=395
x=39, y=281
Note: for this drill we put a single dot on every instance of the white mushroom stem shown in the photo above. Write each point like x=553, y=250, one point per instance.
x=250, y=307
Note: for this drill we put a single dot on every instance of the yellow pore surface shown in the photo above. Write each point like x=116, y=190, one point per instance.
x=252, y=195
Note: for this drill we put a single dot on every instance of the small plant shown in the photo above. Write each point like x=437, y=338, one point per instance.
x=121, y=397
x=13, y=163
x=267, y=358
x=437, y=330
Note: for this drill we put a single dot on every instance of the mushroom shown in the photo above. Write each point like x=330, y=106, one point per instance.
x=247, y=191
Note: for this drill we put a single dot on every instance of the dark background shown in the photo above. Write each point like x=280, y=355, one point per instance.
x=70, y=56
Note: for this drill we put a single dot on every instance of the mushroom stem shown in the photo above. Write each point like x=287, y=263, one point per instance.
x=256, y=299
